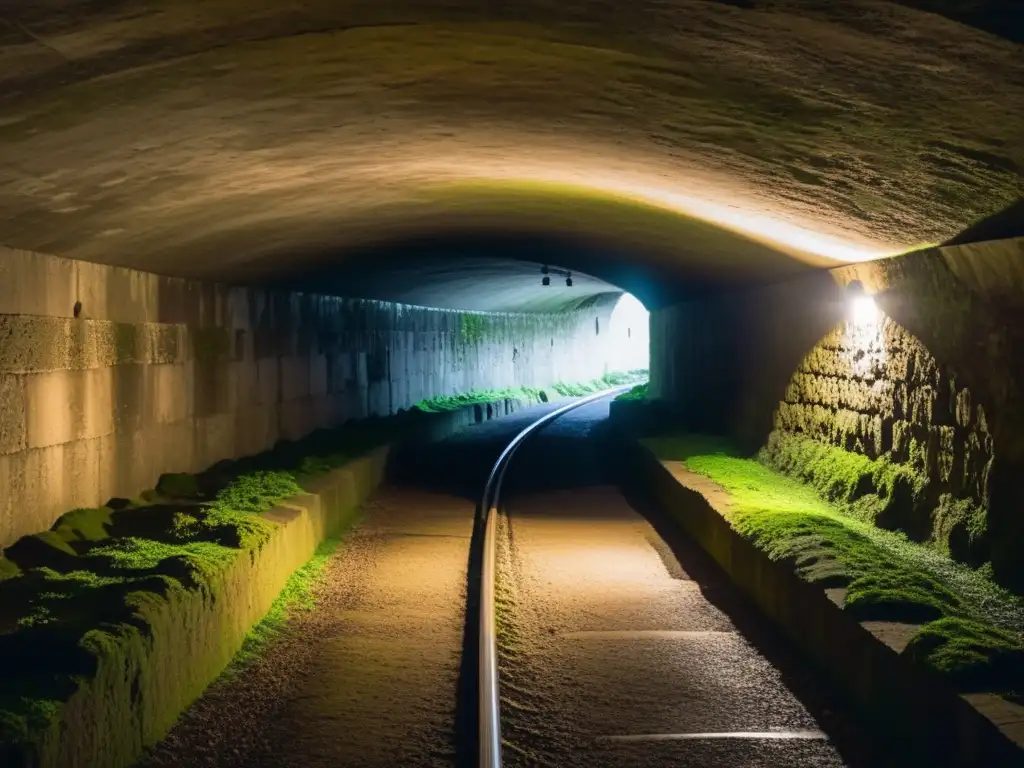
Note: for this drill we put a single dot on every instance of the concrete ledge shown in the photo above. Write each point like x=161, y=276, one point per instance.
x=910, y=705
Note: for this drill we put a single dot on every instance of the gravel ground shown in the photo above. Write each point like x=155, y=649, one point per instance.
x=618, y=649
x=367, y=679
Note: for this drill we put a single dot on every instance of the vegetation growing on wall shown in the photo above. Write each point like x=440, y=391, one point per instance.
x=872, y=421
x=529, y=394
x=296, y=596
x=479, y=396
x=74, y=598
x=473, y=326
x=971, y=628
x=609, y=380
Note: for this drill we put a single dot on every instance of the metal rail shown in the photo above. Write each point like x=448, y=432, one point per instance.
x=489, y=716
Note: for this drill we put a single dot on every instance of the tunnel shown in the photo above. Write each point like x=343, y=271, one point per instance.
x=780, y=243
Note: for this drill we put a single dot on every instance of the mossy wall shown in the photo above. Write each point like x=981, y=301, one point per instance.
x=936, y=386
x=873, y=389
x=145, y=674
x=111, y=377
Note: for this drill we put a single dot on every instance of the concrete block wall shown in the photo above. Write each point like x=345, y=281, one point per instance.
x=110, y=377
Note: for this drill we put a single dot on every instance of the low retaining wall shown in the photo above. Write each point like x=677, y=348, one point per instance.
x=911, y=705
x=147, y=675
x=143, y=682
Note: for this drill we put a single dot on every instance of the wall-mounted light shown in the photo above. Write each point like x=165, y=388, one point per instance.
x=863, y=309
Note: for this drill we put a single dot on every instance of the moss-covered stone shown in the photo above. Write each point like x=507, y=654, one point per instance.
x=178, y=485
x=879, y=393
x=46, y=549
x=87, y=524
x=974, y=656
x=8, y=570
x=115, y=620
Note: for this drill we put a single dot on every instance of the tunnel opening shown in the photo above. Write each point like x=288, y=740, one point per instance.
x=629, y=334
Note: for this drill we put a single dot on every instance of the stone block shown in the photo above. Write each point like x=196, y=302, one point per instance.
x=215, y=438
x=12, y=414
x=116, y=293
x=268, y=381
x=318, y=375
x=256, y=429
x=294, y=378
x=36, y=284
x=170, y=395
x=62, y=406
x=295, y=419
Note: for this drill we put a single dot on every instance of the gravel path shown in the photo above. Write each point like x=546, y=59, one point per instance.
x=367, y=679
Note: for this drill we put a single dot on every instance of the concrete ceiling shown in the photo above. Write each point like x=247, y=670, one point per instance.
x=664, y=146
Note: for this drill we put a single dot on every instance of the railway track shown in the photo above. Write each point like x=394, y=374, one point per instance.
x=560, y=625
x=627, y=649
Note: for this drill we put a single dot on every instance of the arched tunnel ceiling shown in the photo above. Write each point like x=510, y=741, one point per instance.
x=672, y=144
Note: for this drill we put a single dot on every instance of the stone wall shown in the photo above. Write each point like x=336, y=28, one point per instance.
x=937, y=383
x=110, y=377
x=877, y=390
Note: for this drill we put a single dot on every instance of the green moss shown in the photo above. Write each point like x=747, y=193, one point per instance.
x=637, y=393
x=609, y=380
x=8, y=570
x=479, y=397
x=871, y=487
x=85, y=524
x=297, y=595
x=21, y=716
x=257, y=491
x=84, y=594
x=886, y=576
x=974, y=656
x=530, y=394
x=473, y=327
x=957, y=524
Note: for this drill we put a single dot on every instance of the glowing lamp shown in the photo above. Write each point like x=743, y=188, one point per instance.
x=863, y=309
